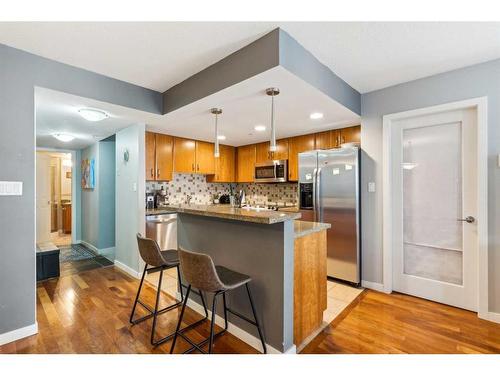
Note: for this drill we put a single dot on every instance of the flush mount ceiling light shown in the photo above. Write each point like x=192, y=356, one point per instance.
x=63, y=137
x=93, y=115
x=221, y=137
x=260, y=128
x=316, y=116
x=272, y=92
x=216, y=112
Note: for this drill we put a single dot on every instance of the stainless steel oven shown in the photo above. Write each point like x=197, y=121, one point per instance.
x=273, y=171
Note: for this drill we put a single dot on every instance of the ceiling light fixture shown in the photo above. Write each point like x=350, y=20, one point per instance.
x=63, y=137
x=93, y=115
x=260, y=128
x=316, y=116
x=221, y=137
x=272, y=92
x=216, y=112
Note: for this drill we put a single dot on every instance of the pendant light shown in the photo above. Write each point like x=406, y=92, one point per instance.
x=272, y=92
x=216, y=112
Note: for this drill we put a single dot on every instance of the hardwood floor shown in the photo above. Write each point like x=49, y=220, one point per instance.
x=88, y=312
x=397, y=323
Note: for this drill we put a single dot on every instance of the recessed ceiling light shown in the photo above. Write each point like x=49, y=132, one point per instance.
x=259, y=128
x=94, y=115
x=63, y=137
x=221, y=137
x=316, y=115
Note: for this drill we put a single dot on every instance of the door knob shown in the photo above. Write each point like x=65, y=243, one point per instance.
x=468, y=219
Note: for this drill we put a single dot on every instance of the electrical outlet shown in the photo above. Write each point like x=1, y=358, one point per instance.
x=371, y=187
x=11, y=188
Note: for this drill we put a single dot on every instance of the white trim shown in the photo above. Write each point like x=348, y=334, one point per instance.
x=491, y=316
x=238, y=332
x=372, y=285
x=90, y=246
x=18, y=334
x=481, y=105
x=127, y=269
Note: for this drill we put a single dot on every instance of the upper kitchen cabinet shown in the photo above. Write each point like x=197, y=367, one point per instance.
x=184, y=155
x=263, y=155
x=245, y=163
x=297, y=145
x=150, y=156
x=327, y=140
x=164, y=157
x=158, y=157
x=351, y=134
x=205, y=160
x=225, y=165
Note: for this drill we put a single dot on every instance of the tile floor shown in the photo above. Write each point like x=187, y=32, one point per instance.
x=339, y=295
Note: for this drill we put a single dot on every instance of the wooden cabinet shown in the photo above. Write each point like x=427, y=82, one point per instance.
x=150, y=156
x=184, y=155
x=263, y=155
x=327, y=140
x=164, y=157
x=225, y=165
x=297, y=145
x=205, y=159
x=193, y=156
x=245, y=163
x=159, y=157
x=351, y=134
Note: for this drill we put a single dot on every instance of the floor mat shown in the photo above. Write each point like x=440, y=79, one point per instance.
x=75, y=252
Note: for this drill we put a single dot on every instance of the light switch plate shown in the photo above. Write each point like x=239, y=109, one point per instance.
x=371, y=187
x=11, y=188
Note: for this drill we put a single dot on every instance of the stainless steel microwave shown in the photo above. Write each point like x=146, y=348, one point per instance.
x=273, y=171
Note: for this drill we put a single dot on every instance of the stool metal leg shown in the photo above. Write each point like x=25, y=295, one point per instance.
x=155, y=313
x=225, y=310
x=212, y=324
x=180, y=319
x=180, y=282
x=256, y=320
x=131, y=320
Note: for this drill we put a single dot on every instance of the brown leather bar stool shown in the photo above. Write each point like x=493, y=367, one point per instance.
x=159, y=261
x=201, y=273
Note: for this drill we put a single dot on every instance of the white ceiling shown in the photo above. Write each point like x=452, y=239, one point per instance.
x=368, y=56
x=244, y=106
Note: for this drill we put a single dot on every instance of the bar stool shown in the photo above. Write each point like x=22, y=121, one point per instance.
x=201, y=273
x=159, y=261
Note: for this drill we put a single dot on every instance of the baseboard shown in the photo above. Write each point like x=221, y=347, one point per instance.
x=371, y=285
x=18, y=334
x=108, y=252
x=90, y=246
x=490, y=316
x=127, y=269
x=237, y=331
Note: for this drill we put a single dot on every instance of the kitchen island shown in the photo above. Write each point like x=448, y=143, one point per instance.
x=285, y=257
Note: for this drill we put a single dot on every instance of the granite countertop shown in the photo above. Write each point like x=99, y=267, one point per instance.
x=304, y=228
x=228, y=212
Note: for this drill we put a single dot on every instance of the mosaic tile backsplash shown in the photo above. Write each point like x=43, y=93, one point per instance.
x=202, y=192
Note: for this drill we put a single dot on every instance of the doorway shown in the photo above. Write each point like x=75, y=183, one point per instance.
x=54, y=198
x=435, y=244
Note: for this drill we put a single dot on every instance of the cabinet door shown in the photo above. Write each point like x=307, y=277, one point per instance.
x=150, y=156
x=262, y=153
x=164, y=157
x=281, y=152
x=328, y=139
x=205, y=159
x=351, y=134
x=184, y=155
x=225, y=165
x=245, y=163
x=297, y=145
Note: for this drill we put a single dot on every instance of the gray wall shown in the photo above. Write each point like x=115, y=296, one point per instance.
x=475, y=81
x=20, y=72
x=130, y=193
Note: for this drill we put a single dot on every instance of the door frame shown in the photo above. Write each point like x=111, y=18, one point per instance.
x=74, y=185
x=481, y=106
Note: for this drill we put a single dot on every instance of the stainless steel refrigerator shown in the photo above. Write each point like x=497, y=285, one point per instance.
x=329, y=193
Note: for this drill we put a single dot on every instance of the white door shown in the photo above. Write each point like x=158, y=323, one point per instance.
x=43, y=205
x=434, y=162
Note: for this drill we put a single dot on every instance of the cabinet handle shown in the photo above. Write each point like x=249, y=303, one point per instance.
x=158, y=172
x=197, y=167
x=152, y=173
x=192, y=166
x=343, y=139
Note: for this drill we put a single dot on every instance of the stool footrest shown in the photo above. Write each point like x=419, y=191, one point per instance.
x=149, y=308
x=168, y=337
x=198, y=346
x=241, y=316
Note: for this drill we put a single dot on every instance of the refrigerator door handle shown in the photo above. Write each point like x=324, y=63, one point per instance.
x=318, y=197
x=315, y=173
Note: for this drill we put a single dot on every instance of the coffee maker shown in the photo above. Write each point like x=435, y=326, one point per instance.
x=150, y=200
x=161, y=198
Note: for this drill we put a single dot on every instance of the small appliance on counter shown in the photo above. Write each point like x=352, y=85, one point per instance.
x=150, y=200
x=161, y=198
x=224, y=199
